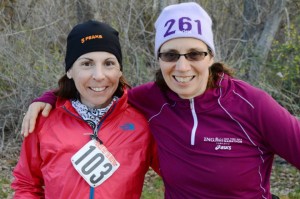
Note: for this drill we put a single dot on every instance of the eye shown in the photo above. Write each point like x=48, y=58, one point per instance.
x=110, y=63
x=194, y=54
x=169, y=56
x=87, y=64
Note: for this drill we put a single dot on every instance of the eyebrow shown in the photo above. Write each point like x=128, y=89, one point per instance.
x=85, y=58
x=198, y=49
x=90, y=59
x=188, y=50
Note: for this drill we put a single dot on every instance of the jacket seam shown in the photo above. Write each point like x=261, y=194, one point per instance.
x=242, y=128
x=161, y=108
x=249, y=103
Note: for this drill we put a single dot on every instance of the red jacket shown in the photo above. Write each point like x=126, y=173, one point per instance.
x=45, y=169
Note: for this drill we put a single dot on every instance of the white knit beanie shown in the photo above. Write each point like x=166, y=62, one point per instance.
x=183, y=20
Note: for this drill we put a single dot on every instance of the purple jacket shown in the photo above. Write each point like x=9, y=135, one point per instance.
x=218, y=145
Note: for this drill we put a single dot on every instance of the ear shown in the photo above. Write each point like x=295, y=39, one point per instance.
x=69, y=74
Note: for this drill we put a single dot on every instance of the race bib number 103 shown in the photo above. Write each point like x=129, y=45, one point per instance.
x=94, y=163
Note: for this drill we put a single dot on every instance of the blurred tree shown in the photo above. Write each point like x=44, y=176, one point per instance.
x=261, y=23
x=33, y=35
x=84, y=11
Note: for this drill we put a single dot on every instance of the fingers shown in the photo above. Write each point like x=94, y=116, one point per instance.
x=32, y=118
x=29, y=120
x=25, y=126
x=47, y=110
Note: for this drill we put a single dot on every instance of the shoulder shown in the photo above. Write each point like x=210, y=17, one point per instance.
x=147, y=98
x=134, y=114
x=145, y=94
x=124, y=111
x=245, y=86
x=261, y=101
x=56, y=117
x=144, y=89
x=249, y=91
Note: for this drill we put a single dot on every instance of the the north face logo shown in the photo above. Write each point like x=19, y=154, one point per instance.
x=127, y=127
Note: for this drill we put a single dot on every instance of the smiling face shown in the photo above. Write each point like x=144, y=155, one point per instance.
x=186, y=78
x=96, y=76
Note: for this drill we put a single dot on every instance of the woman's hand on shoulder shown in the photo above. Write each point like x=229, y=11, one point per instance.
x=31, y=115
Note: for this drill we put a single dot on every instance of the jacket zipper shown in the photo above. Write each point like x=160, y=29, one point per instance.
x=193, y=134
x=94, y=136
x=95, y=131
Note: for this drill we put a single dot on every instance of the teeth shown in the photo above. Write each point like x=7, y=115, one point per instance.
x=98, y=89
x=183, y=79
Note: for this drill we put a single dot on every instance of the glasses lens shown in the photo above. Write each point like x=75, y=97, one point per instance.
x=195, y=56
x=191, y=56
x=169, y=57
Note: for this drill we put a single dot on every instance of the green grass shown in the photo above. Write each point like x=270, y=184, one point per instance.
x=153, y=188
x=295, y=194
x=5, y=189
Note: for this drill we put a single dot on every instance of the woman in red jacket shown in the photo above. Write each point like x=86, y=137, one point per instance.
x=93, y=144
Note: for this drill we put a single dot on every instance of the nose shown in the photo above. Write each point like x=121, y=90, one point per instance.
x=183, y=64
x=98, y=73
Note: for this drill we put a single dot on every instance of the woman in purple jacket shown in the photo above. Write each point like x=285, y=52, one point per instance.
x=216, y=135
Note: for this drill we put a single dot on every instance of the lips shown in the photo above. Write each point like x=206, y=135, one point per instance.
x=183, y=79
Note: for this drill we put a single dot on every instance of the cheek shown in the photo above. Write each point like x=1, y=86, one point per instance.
x=114, y=78
x=78, y=83
x=120, y=74
x=80, y=79
x=117, y=75
x=211, y=61
x=164, y=67
x=204, y=67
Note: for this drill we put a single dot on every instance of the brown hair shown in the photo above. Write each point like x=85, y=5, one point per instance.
x=214, y=74
x=67, y=89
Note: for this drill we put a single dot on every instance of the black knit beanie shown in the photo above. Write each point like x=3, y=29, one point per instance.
x=92, y=36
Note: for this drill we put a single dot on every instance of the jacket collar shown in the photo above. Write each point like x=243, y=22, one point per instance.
x=118, y=106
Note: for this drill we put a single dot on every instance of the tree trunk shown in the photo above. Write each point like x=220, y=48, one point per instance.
x=261, y=39
x=250, y=20
x=270, y=29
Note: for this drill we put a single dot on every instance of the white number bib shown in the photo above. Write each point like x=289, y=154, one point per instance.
x=94, y=163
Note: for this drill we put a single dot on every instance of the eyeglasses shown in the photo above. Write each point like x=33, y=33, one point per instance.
x=191, y=56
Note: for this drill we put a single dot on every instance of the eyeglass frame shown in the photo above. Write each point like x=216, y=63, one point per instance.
x=186, y=55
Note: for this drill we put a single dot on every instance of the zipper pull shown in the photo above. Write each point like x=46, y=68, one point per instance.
x=192, y=104
x=95, y=137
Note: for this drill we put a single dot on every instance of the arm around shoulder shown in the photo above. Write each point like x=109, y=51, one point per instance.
x=47, y=97
x=43, y=103
x=29, y=120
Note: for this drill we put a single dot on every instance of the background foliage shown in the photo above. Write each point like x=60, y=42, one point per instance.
x=259, y=39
